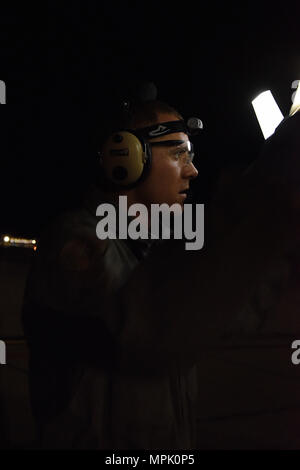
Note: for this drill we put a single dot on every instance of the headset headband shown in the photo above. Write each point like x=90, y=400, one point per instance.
x=193, y=126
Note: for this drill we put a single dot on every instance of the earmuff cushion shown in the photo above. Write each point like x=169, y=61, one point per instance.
x=126, y=159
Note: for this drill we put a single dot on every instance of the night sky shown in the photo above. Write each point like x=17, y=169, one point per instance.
x=66, y=70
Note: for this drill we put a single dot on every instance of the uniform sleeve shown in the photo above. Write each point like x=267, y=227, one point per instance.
x=65, y=312
x=70, y=272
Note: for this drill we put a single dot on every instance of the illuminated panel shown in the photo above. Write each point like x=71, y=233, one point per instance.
x=296, y=104
x=267, y=112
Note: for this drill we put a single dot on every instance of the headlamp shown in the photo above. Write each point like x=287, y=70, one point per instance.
x=192, y=127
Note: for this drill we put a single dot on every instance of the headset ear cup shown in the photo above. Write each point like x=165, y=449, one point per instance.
x=125, y=158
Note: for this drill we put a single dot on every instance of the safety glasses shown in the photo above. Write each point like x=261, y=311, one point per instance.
x=183, y=152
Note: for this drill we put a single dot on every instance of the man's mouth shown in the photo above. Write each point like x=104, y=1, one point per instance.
x=183, y=194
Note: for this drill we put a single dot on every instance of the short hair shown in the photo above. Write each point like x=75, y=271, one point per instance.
x=146, y=113
x=134, y=116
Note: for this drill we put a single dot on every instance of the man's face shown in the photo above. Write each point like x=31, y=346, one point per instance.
x=170, y=174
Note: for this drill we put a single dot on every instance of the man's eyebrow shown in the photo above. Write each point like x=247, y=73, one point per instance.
x=177, y=143
x=169, y=143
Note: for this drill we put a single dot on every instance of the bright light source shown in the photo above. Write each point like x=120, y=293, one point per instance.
x=267, y=112
x=33, y=242
x=296, y=104
x=6, y=238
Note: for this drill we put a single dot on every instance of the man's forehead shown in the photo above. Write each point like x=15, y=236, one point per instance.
x=166, y=117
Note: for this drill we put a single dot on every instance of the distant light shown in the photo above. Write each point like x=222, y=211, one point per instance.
x=21, y=242
x=296, y=104
x=267, y=112
x=34, y=248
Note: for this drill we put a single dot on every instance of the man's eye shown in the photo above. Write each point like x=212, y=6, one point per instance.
x=180, y=152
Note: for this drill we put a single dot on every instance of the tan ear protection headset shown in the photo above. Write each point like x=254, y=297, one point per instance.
x=125, y=158
x=126, y=154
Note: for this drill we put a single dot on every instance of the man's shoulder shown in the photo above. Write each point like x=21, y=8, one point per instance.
x=71, y=234
x=69, y=222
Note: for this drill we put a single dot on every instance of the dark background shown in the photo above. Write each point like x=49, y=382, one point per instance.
x=68, y=67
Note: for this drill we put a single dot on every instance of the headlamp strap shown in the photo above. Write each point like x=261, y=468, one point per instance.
x=162, y=128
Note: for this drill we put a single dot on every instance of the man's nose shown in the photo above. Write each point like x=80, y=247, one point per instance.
x=190, y=171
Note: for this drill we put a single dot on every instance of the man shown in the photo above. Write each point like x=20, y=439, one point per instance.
x=76, y=395
x=115, y=342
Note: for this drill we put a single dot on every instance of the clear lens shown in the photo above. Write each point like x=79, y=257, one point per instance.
x=185, y=153
x=190, y=153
